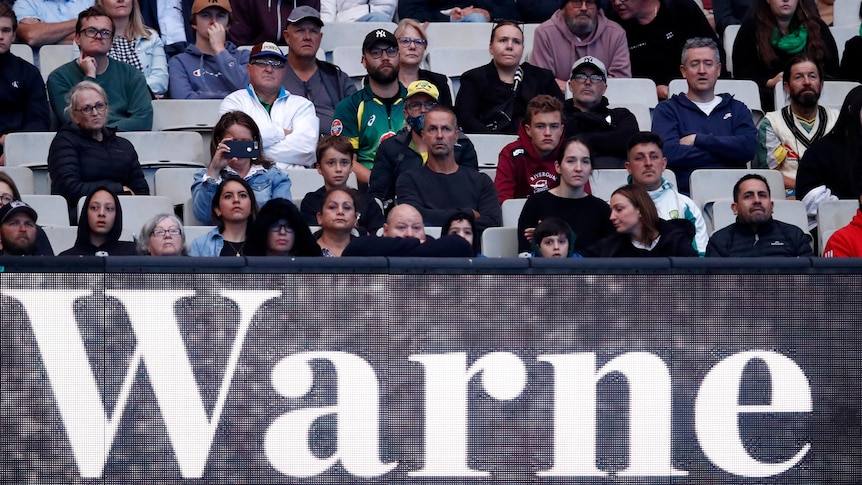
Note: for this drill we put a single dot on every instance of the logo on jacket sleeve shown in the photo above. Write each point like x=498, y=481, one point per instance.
x=336, y=128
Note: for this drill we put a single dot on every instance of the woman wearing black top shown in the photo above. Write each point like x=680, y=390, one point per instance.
x=493, y=98
x=640, y=232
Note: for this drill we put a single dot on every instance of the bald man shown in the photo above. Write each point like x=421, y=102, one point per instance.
x=404, y=235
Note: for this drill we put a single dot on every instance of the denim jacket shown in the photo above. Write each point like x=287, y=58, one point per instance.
x=267, y=184
x=210, y=244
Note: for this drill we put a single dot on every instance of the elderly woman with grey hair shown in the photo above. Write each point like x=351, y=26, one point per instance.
x=86, y=154
x=162, y=236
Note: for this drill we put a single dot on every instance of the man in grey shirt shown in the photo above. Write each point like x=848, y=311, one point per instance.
x=324, y=84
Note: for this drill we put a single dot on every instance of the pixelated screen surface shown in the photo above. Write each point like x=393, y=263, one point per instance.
x=437, y=379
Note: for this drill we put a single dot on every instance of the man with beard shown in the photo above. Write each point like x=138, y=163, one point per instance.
x=288, y=125
x=785, y=134
x=587, y=114
x=441, y=187
x=374, y=114
x=755, y=232
x=18, y=230
x=702, y=129
x=579, y=28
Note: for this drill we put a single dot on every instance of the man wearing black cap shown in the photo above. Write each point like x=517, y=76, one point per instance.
x=377, y=112
x=288, y=125
x=18, y=230
x=322, y=83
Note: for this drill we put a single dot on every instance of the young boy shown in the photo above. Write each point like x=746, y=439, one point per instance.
x=553, y=238
x=335, y=162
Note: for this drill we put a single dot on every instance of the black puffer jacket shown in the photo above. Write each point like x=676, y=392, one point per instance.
x=773, y=238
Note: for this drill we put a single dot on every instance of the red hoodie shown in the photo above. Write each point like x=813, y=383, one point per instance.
x=521, y=172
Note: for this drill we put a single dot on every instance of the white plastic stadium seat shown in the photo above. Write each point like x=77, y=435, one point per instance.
x=52, y=209
x=52, y=56
x=845, y=13
x=631, y=90
x=641, y=112
x=604, y=181
x=28, y=149
x=61, y=237
x=529, y=39
x=789, y=211
x=161, y=148
x=455, y=61
x=512, y=211
x=488, y=147
x=23, y=178
x=832, y=95
x=459, y=34
x=349, y=59
x=729, y=38
x=842, y=35
x=174, y=183
x=833, y=215
x=23, y=51
x=500, y=242
x=710, y=185
x=340, y=34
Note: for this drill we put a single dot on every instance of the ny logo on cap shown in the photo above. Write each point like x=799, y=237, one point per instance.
x=380, y=33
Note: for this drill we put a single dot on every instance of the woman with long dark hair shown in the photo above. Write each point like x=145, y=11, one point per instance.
x=234, y=210
x=586, y=214
x=265, y=179
x=777, y=31
x=337, y=219
x=640, y=232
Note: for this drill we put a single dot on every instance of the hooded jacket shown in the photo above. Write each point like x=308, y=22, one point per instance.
x=606, y=130
x=726, y=138
x=195, y=75
x=522, y=171
x=556, y=48
x=847, y=241
x=113, y=246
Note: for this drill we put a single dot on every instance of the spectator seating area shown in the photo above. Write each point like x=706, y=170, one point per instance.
x=178, y=146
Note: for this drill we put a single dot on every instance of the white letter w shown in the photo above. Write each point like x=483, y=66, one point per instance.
x=90, y=430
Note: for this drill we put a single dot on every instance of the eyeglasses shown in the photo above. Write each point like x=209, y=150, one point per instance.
x=274, y=63
x=415, y=105
x=378, y=53
x=586, y=3
x=278, y=226
x=93, y=33
x=6, y=199
x=100, y=107
x=581, y=78
x=174, y=231
x=406, y=41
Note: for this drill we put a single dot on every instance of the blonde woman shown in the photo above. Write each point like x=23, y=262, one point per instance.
x=136, y=44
